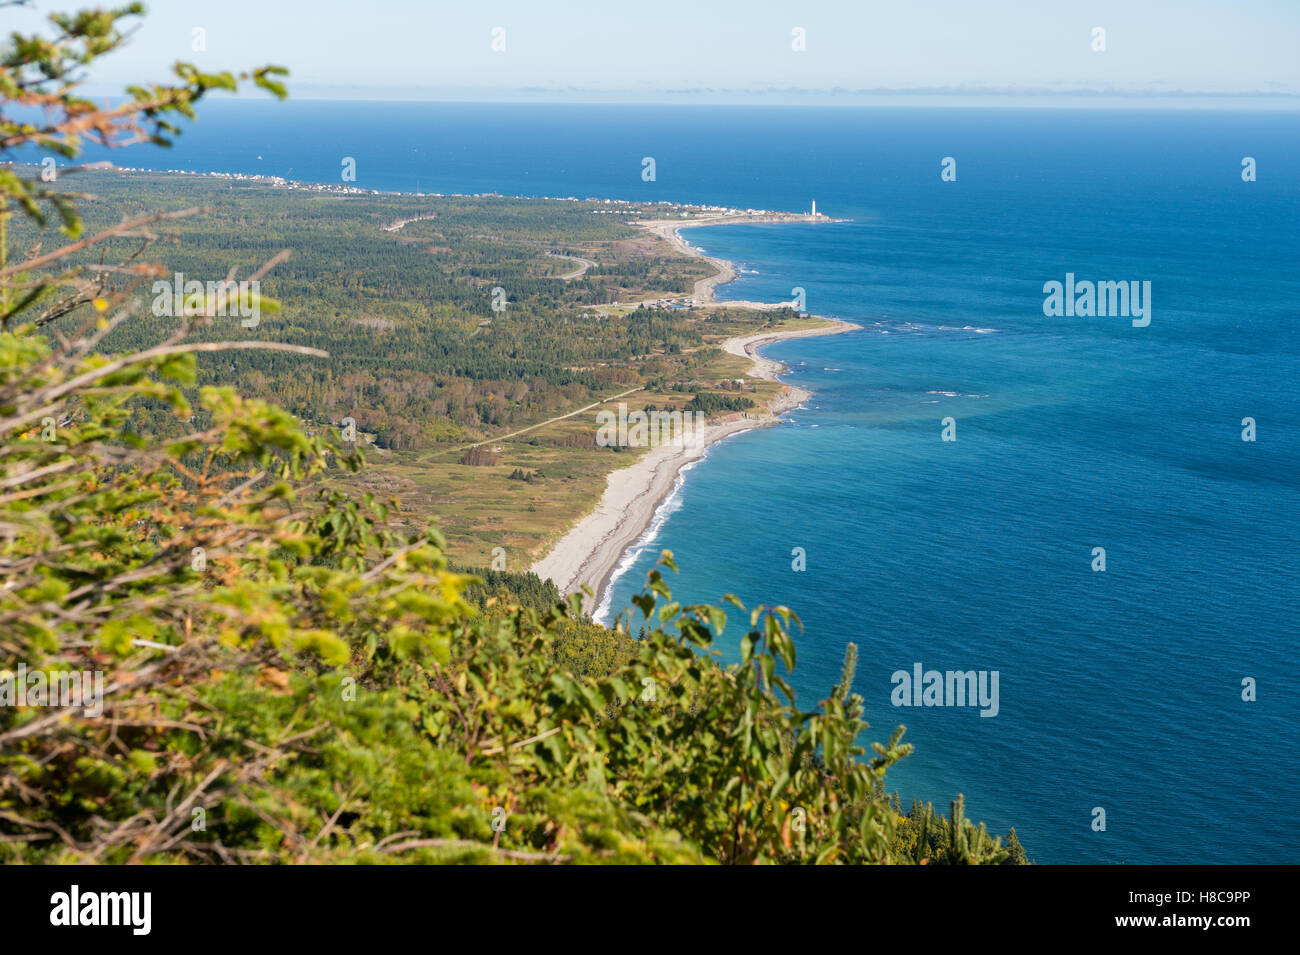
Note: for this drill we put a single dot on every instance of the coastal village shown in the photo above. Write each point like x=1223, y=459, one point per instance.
x=690, y=211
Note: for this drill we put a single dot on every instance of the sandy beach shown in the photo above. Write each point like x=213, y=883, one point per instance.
x=590, y=552
x=726, y=272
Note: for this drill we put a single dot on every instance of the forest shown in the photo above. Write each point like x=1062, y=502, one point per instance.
x=418, y=355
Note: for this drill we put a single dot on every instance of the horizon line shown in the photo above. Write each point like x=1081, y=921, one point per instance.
x=1019, y=98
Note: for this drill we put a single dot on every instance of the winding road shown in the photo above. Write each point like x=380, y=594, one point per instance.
x=577, y=273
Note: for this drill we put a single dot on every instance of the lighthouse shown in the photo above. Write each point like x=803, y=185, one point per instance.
x=814, y=212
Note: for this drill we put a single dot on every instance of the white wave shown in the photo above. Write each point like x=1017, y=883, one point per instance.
x=966, y=328
x=671, y=503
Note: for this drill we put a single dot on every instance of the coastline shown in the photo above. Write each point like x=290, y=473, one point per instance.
x=593, y=549
x=704, y=292
x=589, y=553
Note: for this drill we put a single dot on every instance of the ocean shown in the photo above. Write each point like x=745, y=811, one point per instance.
x=1118, y=690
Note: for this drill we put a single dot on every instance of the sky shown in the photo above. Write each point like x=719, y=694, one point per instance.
x=739, y=50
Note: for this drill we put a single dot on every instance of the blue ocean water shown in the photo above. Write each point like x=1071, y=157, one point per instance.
x=1120, y=690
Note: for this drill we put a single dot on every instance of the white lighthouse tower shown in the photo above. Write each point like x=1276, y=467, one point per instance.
x=814, y=212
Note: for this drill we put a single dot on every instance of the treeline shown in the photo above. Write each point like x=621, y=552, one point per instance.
x=711, y=403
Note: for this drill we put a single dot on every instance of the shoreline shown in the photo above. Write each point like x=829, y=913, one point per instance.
x=592, y=550
x=704, y=292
